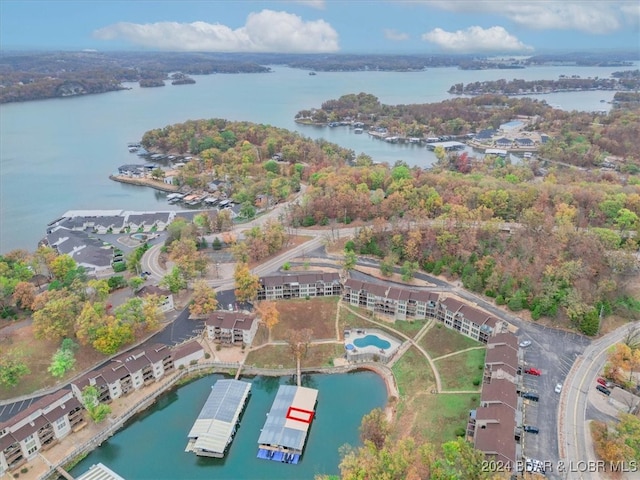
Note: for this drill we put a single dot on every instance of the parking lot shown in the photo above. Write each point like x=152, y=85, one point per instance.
x=553, y=353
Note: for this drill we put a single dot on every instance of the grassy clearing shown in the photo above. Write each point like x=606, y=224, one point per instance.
x=440, y=417
x=279, y=356
x=413, y=374
x=458, y=372
x=318, y=314
x=349, y=320
x=440, y=340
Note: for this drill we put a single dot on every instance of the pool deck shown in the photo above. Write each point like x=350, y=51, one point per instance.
x=359, y=333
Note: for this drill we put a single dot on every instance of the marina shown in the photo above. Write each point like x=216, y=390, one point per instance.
x=284, y=434
x=213, y=430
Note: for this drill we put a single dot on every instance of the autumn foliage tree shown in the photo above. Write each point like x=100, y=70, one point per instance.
x=247, y=284
x=204, y=299
x=269, y=314
x=24, y=295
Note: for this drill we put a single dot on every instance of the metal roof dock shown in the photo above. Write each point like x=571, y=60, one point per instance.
x=284, y=433
x=99, y=472
x=216, y=424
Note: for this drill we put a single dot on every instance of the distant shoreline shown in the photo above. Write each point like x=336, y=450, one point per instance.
x=145, y=182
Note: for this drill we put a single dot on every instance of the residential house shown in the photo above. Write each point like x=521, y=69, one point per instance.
x=38, y=428
x=503, y=142
x=231, y=328
x=524, y=142
x=148, y=221
x=109, y=224
x=308, y=284
x=88, y=252
x=166, y=297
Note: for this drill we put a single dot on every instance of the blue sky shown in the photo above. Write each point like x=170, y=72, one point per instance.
x=322, y=26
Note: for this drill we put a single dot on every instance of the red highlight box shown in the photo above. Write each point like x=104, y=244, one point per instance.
x=300, y=415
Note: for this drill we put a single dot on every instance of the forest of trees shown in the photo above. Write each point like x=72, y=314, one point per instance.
x=569, y=257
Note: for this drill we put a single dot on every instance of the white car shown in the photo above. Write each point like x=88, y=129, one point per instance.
x=558, y=388
x=525, y=343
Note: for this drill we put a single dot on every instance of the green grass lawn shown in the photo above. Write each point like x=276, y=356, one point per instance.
x=458, y=372
x=413, y=374
x=441, y=416
x=440, y=340
x=279, y=356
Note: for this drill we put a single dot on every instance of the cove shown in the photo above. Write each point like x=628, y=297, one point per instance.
x=152, y=445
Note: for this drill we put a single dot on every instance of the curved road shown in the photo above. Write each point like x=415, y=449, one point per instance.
x=573, y=430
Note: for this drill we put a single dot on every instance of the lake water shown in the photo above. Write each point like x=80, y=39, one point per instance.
x=56, y=155
x=152, y=446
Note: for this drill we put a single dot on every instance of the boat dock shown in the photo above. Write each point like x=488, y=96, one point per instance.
x=285, y=432
x=216, y=424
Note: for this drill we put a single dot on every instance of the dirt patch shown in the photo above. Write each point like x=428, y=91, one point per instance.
x=318, y=314
x=38, y=358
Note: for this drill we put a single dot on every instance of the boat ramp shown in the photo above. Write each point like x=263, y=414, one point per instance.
x=285, y=431
x=217, y=422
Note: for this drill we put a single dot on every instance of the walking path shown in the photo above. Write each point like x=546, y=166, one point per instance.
x=457, y=352
x=411, y=341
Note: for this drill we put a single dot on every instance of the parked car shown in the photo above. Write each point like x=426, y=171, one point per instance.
x=525, y=343
x=531, y=429
x=604, y=390
x=530, y=396
x=558, y=388
x=533, y=371
x=601, y=381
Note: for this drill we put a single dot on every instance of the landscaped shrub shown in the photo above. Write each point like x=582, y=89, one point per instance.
x=207, y=355
x=286, y=266
x=119, y=267
x=460, y=432
x=477, y=381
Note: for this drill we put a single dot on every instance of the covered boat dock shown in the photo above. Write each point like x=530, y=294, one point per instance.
x=285, y=432
x=216, y=424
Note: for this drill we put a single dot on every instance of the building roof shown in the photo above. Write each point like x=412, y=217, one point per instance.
x=216, y=422
x=306, y=278
x=231, y=320
x=289, y=418
x=185, y=350
x=147, y=218
x=41, y=404
x=152, y=290
x=500, y=390
x=99, y=472
x=503, y=141
x=496, y=438
x=505, y=338
x=502, y=354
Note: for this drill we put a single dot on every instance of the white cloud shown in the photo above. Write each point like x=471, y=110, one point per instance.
x=476, y=39
x=589, y=16
x=391, y=34
x=266, y=31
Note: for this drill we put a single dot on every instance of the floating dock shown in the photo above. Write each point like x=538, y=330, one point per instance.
x=99, y=472
x=216, y=424
x=285, y=432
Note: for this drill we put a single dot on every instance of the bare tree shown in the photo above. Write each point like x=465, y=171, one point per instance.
x=298, y=341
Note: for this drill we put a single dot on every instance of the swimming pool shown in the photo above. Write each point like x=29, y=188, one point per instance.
x=142, y=237
x=371, y=340
x=511, y=124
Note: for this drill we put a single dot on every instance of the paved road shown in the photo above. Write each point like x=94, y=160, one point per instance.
x=573, y=431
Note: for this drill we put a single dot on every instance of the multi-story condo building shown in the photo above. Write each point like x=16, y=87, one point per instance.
x=231, y=328
x=307, y=284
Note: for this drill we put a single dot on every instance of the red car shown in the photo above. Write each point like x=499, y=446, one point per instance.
x=602, y=381
x=533, y=371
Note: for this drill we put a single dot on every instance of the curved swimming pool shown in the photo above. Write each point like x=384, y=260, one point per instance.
x=371, y=340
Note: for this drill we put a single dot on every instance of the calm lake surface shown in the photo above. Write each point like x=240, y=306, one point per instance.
x=152, y=446
x=56, y=155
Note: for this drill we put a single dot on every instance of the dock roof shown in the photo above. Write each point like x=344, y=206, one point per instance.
x=289, y=418
x=216, y=422
x=99, y=472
